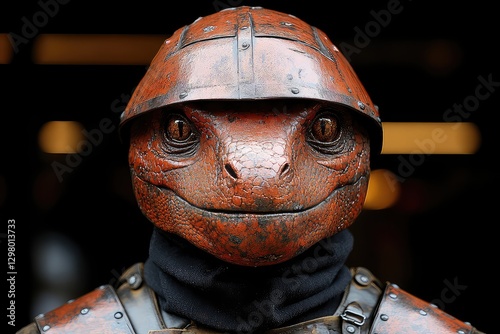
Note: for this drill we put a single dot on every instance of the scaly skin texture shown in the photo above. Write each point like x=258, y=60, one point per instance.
x=248, y=182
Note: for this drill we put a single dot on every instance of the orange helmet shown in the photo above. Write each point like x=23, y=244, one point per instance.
x=251, y=53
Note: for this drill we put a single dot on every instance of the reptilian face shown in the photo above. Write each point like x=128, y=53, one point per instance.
x=253, y=183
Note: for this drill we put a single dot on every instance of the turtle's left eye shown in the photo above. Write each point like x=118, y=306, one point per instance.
x=180, y=136
x=324, y=133
x=325, y=128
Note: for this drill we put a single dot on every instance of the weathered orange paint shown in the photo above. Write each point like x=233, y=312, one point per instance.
x=289, y=195
x=251, y=189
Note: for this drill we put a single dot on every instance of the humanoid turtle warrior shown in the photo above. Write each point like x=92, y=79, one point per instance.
x=250, y=144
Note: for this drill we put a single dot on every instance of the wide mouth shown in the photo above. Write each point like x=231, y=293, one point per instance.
x=223, y=214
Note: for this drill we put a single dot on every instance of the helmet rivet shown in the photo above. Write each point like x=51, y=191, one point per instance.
x=295, y=90
x=183, y=95
x=245, y=45
x=46, y=328
x=361, y=105
x=288, y=24
x=208, y=29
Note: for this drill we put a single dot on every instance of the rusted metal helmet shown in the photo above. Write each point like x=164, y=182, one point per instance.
x=251, y=53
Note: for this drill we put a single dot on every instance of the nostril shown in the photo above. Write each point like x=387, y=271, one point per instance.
x=230, y=171
x=284, y=169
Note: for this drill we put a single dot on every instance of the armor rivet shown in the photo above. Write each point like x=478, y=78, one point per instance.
x=46, y=328
x=393, y=295
x=295, y=90
x=434, y=305
x=384, y=317
x=70, y=301
x=363, y=278
x=422, y=312
x=244, y=28
x=41, y=315
x=183, y=95
x=467, y=323
x=118, y=315
x=208, y=29
x=132, y=280
x=288, y=24
x=350, y=329
x=361, y=105
x=395, y=285
x=84, y=311
x=460, y=331
x=245, y=45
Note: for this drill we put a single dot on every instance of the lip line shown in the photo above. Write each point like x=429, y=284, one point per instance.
x=252, y=213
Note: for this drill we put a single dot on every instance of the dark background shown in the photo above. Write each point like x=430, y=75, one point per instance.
x=425, y=60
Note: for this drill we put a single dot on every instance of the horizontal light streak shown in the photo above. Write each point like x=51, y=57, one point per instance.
x=430, y=138
x=96, y=49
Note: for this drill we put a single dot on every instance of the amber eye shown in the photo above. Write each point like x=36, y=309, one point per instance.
x=178, y=128
x=180, y=135
x=325, y=133
x=325, y=128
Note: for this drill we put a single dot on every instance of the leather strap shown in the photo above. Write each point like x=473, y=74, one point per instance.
x=360, y=300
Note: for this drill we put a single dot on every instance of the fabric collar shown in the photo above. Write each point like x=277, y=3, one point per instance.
x=193, y=284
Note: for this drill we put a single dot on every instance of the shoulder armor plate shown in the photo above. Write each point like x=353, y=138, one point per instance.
x=99, y=311
x=400, y=311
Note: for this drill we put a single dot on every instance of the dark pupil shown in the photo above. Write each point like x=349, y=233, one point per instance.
x=324, y=129
x=178, y=129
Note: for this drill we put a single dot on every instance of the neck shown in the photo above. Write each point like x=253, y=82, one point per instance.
x=195, y=285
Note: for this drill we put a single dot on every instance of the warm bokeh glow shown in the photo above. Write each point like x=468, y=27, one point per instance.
x=430, y=138
x=383, y=190
x=61, y=137
x=110, y=49
x=6, y=50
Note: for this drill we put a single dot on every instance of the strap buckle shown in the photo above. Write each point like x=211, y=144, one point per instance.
x=353, y=316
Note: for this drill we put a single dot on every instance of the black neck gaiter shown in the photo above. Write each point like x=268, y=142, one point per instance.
x=237, y=299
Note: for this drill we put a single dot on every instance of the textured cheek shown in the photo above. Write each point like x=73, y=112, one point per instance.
x=149, y=161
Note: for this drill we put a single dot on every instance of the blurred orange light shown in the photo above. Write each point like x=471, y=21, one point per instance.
x=383, y=190
x=60, y=137
x=6, y=50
